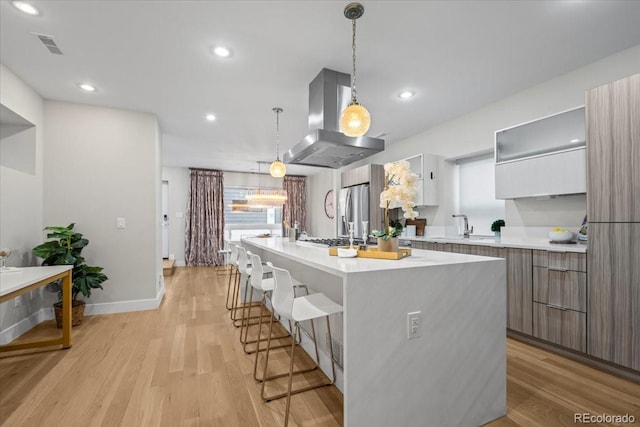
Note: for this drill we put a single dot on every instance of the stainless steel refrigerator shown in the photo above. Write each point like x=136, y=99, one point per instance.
x=353, y=206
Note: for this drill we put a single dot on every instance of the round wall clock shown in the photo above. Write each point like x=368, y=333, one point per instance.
x=330, y=204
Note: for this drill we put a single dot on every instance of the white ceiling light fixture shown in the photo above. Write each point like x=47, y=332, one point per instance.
x=277, y=168
x=406, y=94
x=27, y=8
x=210, y=117
x=355, y=120
x=222, y=51
x=87, y=87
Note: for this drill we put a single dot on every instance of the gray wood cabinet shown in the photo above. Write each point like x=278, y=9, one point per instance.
x=613, y=210
x=563, y=289
x=519, y=289
x=560, y=298
x=614, y=293
x=613, y=156
x=560, y=326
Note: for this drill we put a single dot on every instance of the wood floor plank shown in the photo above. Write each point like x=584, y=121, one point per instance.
x=183, y=365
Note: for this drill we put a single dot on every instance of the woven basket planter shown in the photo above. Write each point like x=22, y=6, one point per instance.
x=77, y=313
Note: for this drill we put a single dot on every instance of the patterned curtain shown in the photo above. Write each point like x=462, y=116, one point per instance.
x=204, y=228
x=295, y=208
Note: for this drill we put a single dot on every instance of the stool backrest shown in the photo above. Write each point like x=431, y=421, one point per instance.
x=234, y=253
x=242, y=259
x=283, y=296
x=257, y=271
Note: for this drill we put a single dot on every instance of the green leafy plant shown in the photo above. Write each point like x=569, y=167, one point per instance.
x=495, y=226
x=395, y=229
x=64, y=247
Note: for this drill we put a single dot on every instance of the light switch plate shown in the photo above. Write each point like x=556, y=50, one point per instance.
x=120, y=223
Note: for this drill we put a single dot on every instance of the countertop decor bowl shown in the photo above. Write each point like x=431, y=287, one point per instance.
x=561, y=236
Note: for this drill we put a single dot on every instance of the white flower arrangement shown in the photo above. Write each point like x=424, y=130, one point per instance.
x=399, y=192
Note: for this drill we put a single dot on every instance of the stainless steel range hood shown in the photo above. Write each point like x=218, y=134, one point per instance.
x=325, y=145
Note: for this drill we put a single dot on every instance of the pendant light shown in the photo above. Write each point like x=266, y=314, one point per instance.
x=277, y=168
x=355, y=119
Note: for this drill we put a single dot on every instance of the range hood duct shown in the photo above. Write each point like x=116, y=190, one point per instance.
x=325, y=145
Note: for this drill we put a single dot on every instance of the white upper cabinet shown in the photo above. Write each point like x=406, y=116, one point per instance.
x=543, y=157
x=427, y=167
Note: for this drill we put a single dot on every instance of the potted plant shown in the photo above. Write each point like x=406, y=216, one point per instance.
x=495, y=226
x=64, y=247
x=399, y=191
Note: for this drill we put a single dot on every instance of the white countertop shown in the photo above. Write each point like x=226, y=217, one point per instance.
x=505, y=242
x=22, y=277
x=320, y=258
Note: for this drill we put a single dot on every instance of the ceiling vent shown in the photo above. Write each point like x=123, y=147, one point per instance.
x=48, y=42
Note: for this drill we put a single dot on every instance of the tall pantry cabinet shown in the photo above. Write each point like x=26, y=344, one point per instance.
x=613, y=211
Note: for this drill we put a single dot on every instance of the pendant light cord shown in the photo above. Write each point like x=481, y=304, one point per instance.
x=278, y=135
x=354, y=99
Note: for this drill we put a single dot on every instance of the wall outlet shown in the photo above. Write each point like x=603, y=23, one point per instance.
x=414, y=323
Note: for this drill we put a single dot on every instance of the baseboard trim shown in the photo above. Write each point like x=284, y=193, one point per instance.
x=17, y=329
x=14, y=331
x=124, y=306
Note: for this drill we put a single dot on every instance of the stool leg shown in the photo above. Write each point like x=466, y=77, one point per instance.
x=258, y=340
x=234, y=297
x=266, y=357
x=293, y=348
x=333, y=365
x=244, y=325
x=231, y=274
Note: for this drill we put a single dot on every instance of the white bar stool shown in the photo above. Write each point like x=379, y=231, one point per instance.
x=297, y=309
x=225, y=252
x=233, y=275
x=265, y=287
x=245, y=270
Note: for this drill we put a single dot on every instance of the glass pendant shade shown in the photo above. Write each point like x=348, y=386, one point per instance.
x=355, y=120
x=277, y=169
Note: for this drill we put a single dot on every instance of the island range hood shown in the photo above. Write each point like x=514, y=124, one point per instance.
x=325, y=145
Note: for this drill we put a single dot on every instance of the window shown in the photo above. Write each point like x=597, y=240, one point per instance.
x=477, y=199
x=241, y=219
x=236, y=213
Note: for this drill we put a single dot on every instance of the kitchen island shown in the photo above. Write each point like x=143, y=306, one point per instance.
x=453, y=374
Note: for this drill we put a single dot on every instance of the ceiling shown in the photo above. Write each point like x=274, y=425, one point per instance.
x=155, y=56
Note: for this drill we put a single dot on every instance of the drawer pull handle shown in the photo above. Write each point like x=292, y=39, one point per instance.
x=557, y=307
x=562, y=270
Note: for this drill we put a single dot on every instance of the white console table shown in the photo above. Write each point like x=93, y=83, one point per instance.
x=26, y=279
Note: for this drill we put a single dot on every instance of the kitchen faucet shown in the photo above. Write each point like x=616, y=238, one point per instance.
x=467, y=232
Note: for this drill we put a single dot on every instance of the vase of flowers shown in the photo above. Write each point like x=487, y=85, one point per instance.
x=399, y=191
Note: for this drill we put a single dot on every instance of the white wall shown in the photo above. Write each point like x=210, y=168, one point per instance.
x=474, y=133
x=101, y=164
x=21, y=196
x=178, y=179
x=318, y=224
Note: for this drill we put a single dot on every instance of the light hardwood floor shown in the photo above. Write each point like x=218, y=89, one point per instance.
x=182, y=365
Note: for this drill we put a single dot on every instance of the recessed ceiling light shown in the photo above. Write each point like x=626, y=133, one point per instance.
x=87, y=87
x=26, y=8
x=575, y=140
x=406, y=94
x=221, y=51
x=210, y=117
